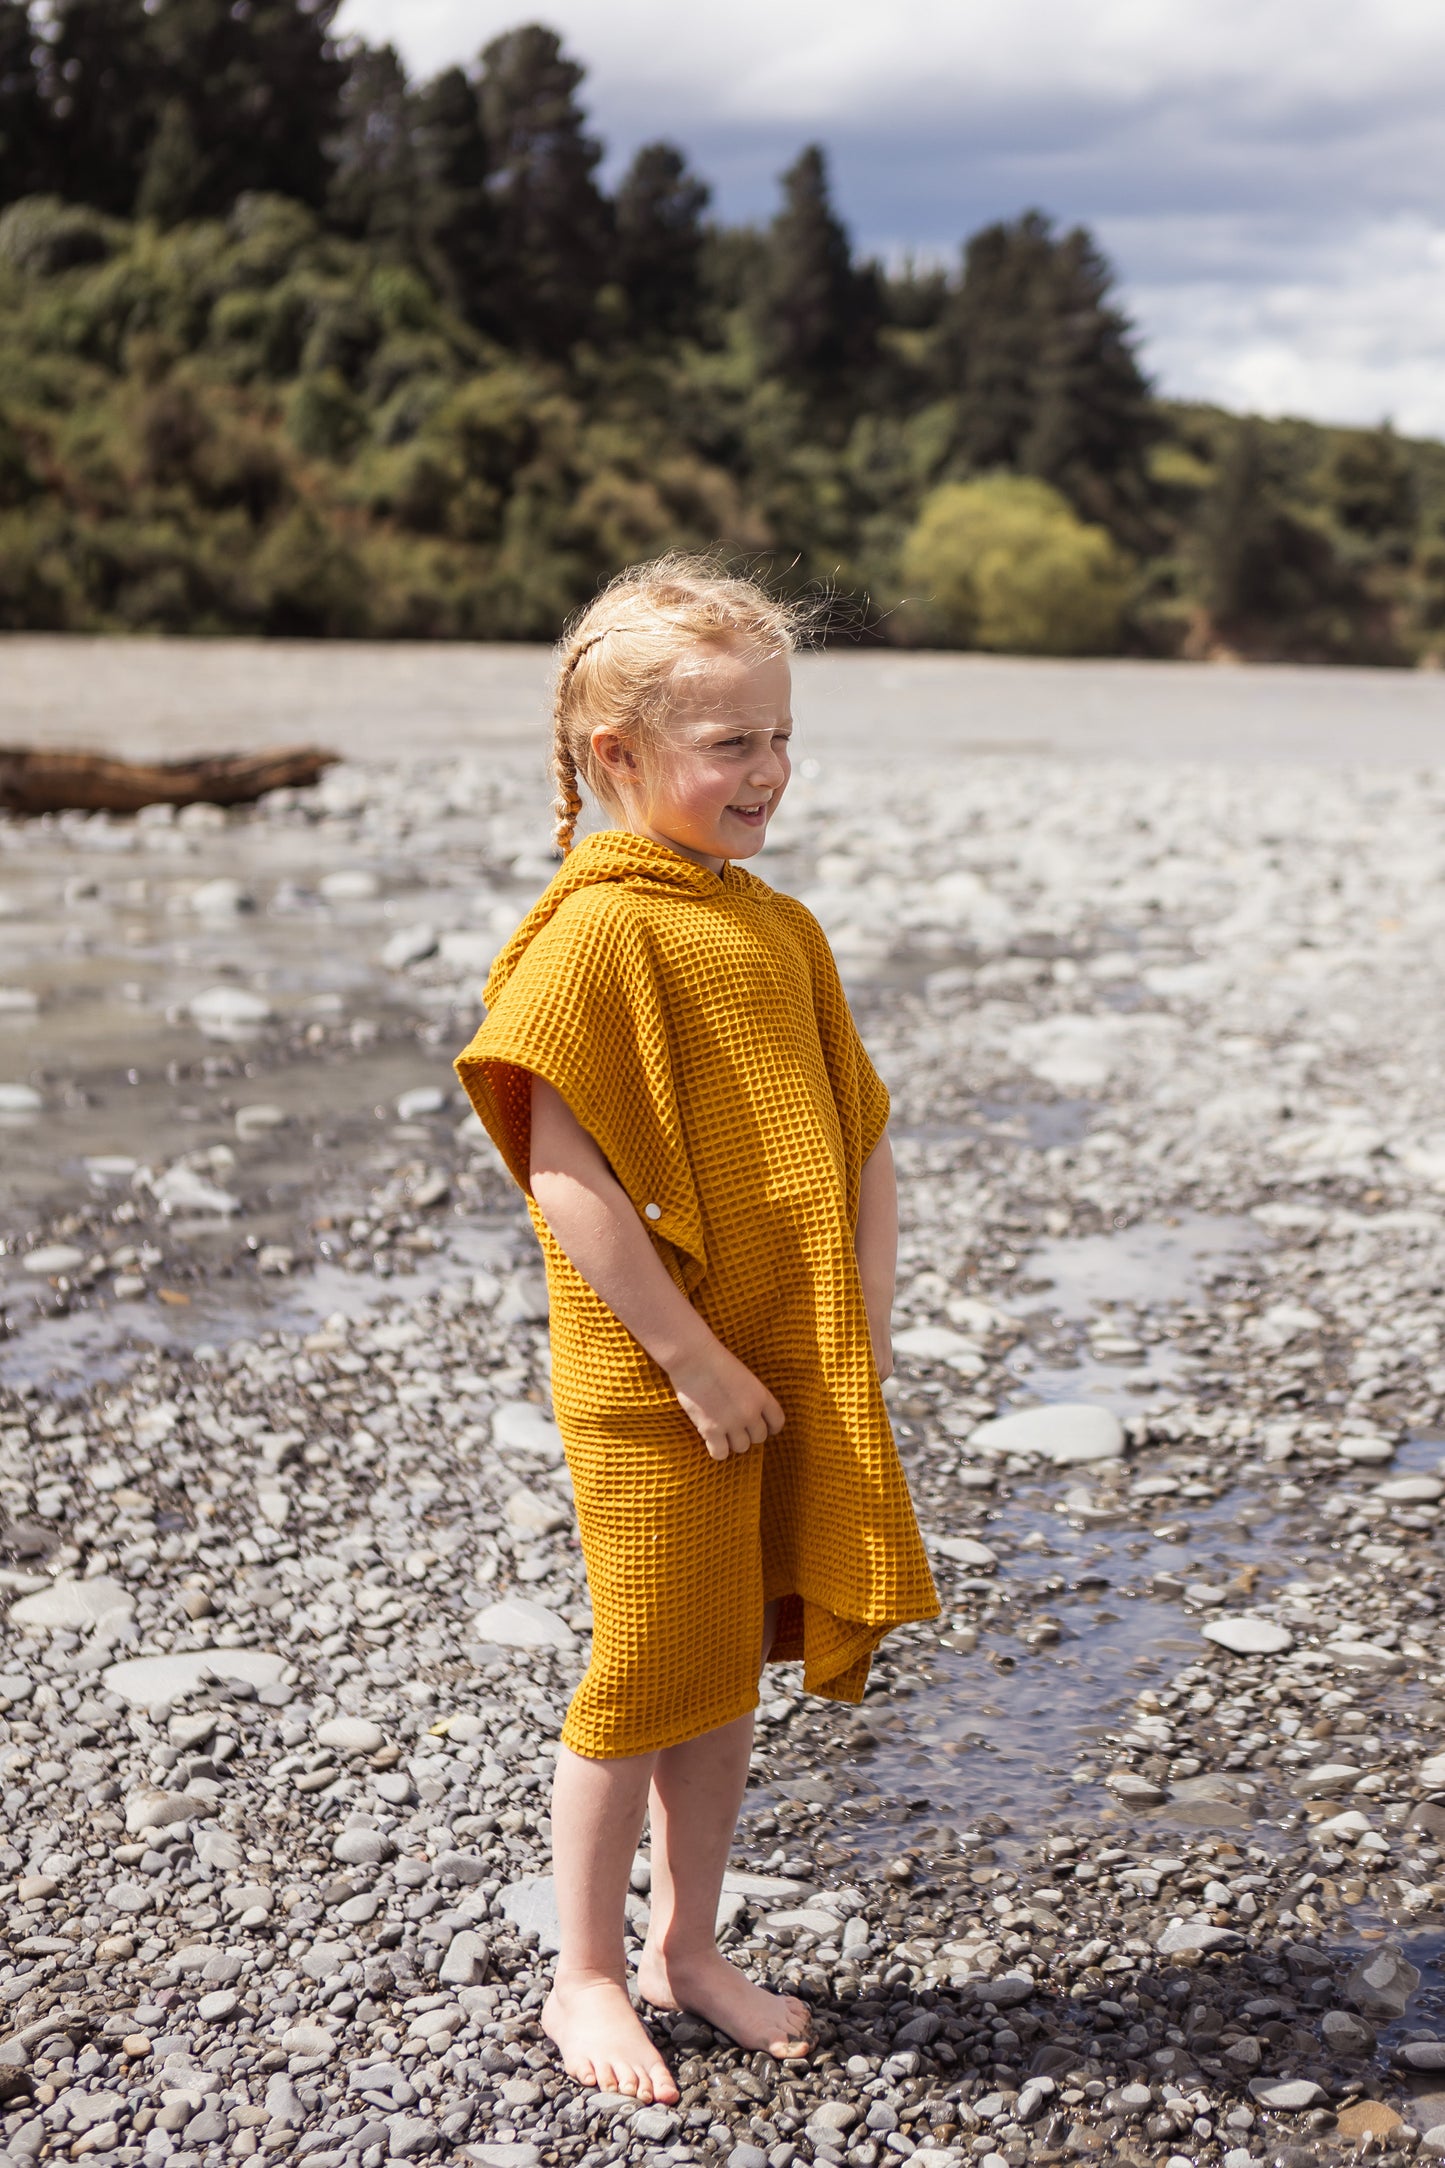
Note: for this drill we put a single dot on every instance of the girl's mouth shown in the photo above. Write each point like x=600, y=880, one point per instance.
x=753, y=815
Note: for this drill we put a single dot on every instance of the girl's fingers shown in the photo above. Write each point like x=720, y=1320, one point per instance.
x=772, y=1415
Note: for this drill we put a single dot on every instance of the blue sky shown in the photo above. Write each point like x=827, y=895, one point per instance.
x=1267, y=175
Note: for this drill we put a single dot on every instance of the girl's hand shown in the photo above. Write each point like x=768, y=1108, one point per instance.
x=883, y=1354
x=728, y=1407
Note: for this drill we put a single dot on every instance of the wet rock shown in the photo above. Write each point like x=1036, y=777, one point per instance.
x=965, y=1551
x=1421, y=2054
x=1345, y=2034
x=1249, y=1636
x=1381, y=1984
x=1288, y=2095
x=1134, y=1790
x=1064, y=1434
x=1196, y=1934
x=1432, y=1773
x=1327, y=1780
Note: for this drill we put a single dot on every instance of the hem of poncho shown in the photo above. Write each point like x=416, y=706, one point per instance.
x=677, y=1736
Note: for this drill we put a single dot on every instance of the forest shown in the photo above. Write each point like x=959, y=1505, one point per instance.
x=293, y=345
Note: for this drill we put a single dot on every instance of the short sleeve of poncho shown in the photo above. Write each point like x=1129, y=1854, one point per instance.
x=583, y=1008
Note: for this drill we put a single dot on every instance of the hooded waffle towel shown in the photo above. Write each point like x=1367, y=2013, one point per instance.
x=696, y=1026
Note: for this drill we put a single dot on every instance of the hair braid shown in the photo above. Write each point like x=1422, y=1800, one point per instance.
x=567, y=805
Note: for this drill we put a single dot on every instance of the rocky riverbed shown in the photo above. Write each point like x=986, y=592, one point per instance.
x=1134, y=1856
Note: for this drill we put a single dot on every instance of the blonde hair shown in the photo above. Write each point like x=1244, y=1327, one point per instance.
x=614, y=663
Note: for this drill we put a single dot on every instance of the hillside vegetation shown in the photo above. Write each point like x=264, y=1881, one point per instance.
x=291, y=345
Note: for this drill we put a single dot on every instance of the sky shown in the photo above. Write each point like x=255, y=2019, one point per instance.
x=1267, y=176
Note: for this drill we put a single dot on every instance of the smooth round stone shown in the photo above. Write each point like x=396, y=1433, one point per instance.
x=18, y=1001
x=107, y=1167
x=20, y=1099
x=215, y=2008
x=308, y=2040
x=221, y=898
x=348, y=884
x=361, y=1847
x=1195, y=1934
x=421, y=1099
x=1422, y=2054
x=1249, y=1636
x=1411, y=1490
x=965, y=1551
x=222, y=1010
x=515, y=1622
x=325, y=1959
x=51, y=1258
x=520, y=1426
x=255, y=1121
x=1288, y=2094
x=76, y=1605
x=1068, y=1433
x=408, y=945
x=146, y=1679
x=1432, y=1773
x=350, y=1734
x=940, y=1344
x=1365, y=1452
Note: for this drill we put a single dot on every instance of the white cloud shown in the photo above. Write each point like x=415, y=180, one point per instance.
x=1269, y=175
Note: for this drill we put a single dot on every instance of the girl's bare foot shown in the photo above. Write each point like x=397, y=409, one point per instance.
x=712, y=1988
x=603, y=2041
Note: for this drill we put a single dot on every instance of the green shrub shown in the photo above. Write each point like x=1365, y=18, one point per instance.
x=1005, y=563
x=324, y=417
x=43, y=235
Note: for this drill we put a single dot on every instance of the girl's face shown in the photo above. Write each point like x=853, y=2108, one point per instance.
x=713, y=784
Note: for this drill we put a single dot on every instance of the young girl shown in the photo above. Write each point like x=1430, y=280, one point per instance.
x=669, y=1068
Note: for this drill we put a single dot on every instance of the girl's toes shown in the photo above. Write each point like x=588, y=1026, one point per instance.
x=584, y=2073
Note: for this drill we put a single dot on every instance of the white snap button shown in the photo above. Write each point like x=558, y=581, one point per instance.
x=653, y=1211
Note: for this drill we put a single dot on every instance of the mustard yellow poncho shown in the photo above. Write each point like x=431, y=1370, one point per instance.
x=696, y=1026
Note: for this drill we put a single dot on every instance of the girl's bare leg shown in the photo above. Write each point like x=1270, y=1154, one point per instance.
x=697, y=1790
x=597, y=1810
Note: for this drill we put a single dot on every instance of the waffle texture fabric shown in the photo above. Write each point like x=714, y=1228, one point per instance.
x=695, y=1024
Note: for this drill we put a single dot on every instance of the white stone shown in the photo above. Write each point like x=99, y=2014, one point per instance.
x=517, y=1623
x=152, y=1808
x=1432, y=1773
x=466, y=1960
x=1134, y=1790
x=469, y=950
x=1326, y=1780
x=225, y=1012
x=965, y=1551
x=408, y=945
x=77, y=1605
x=520, y=1426
x=1363, y=1656
x=142, y=1680
x=1249, y=1636
x=1411, y=1490
x=1196, y=1934
x=18, y=1001
x=350, y=1734
x=20, y=1099
x=1289, y=2094
x=181, y=1189
x=221, y=898
x=52, y=1258
x=940, y=1344
x=274, y=1507
x=421, y=1099
x=307, y=2040
x=1365, y=1452
x=256, y=1120
x=1068, y=1433
x=348, y=884
x=104, y=1168
x=534, y=1515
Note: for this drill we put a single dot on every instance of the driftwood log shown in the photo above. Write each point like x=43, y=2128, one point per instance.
x=43, y=782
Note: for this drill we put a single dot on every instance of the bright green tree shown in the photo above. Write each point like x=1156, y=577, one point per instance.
x=1005, y=563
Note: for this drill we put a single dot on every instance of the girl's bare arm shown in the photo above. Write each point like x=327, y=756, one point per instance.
x=597, y=1227
x=877, y=1245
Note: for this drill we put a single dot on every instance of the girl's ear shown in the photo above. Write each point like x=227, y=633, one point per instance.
x=613, y=751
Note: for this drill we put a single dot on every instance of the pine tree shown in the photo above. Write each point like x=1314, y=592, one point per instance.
x=261, y=85
x=553, y=240
x=25, y=147
x=1045, y=372
x=658, y=210
x=101, y=84
x=373, y=190
x=455, y=210
x=816, y=315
